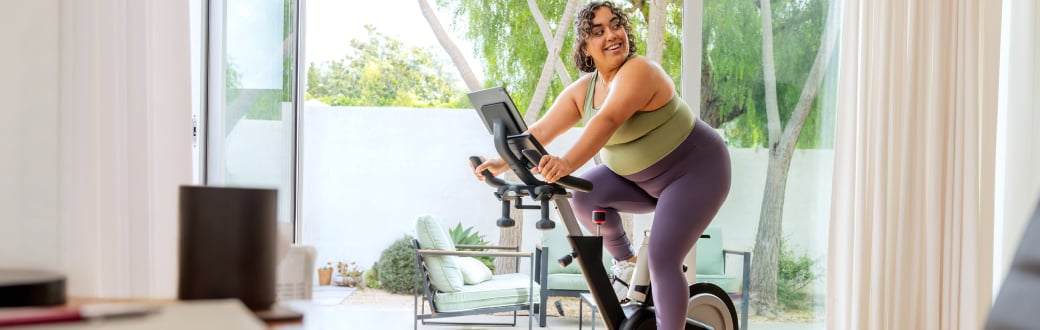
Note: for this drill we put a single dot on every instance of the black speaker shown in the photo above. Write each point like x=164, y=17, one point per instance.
x=22, y=288
x=228, y=244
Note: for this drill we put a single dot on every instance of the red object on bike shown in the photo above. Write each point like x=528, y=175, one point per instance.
x=599, y=216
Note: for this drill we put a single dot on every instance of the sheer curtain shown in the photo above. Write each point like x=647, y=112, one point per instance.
x=911, y=215
x=124, y=144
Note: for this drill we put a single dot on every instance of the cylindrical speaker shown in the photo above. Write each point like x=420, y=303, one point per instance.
x=22, y=287
x=228, y=242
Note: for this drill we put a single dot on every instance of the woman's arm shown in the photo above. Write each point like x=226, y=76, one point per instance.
x=564, y=113
x=639, y=85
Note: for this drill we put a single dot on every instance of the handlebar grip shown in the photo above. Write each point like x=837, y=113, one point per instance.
x=576, y=183
x=568, y=181
x=532, y=156
x=490, y=179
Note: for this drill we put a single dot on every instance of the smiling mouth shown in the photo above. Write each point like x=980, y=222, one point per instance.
x=613, y=47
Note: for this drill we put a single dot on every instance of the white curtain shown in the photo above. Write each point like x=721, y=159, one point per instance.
x=912, y=209
x=124, y=144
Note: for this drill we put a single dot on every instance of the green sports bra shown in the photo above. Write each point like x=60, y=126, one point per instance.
x=646, y=137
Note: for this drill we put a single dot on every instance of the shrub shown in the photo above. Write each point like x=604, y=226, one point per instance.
x=371, y=276
x=396, y=267
x=470, y=236
x=793, y=278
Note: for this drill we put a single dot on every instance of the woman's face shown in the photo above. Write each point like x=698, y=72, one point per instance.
x=607, y=43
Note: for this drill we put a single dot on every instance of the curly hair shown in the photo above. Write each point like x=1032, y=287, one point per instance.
x=583, y=27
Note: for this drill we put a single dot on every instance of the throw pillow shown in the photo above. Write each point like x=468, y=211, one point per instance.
x=443, y=270
x=473, y=271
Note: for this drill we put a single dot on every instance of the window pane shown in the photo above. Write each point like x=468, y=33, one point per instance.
x=251, y=113
x=779, y=204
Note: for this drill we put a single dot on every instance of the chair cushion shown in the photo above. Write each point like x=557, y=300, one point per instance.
x=501, y=290
x=730, y=284
x=567, y=282
x=473, y=271
x=443, y=270
x=710, y=259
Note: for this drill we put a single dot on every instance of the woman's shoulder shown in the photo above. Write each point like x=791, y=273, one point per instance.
x=642, y=65
x=580, y=86
x=642, y=71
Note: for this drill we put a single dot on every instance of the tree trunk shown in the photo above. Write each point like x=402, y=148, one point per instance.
x=538, y=99
x=547, y=36
x=769, y=74
x=766, y=253
x=449, y=46
x=656, y=30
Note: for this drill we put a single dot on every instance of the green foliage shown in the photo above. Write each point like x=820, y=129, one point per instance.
x=382, y=71
x=796, y=273
x=507, y=41
x=288, y=53
x=396, y=267
x=471, y=236
x=733, y=62
x=371, y=276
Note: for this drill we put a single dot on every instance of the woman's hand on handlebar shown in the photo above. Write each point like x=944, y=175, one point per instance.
x=495, y=165
x=553, y=168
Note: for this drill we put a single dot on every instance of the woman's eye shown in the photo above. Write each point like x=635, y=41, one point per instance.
x=616, y=26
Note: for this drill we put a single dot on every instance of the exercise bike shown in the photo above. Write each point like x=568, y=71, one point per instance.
x=709, y=306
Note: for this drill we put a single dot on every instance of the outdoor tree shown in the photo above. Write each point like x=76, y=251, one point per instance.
x=382, y=71
x=465, y=71
x=769, y=92
x=733, y=83
x=782, y=142
x=509, y=42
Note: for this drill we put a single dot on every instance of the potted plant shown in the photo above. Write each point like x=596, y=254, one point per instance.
x=325, y=274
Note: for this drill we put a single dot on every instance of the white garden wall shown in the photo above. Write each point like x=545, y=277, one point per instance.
x=367, y=173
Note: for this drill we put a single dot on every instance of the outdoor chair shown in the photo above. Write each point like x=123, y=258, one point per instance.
x=553, y=279
x=454, y=284
x=711, y=268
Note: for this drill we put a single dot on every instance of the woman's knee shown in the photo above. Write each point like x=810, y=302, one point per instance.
x=665, y=255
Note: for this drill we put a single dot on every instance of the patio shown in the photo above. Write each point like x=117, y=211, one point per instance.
x=333, y=307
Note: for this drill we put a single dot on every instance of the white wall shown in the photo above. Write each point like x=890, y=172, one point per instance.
x=96, y=141
x=29, y=135
x=1018, y=148
x=369, y=172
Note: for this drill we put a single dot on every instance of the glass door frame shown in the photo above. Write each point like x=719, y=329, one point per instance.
x=210, y=121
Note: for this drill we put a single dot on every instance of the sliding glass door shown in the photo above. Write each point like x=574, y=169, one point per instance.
x=252, y=96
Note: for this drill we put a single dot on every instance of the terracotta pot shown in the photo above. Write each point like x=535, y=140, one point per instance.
x=324, y=276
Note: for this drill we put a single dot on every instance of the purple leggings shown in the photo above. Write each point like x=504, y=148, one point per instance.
x=685, y=189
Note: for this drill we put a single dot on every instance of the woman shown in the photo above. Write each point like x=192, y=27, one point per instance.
x=657, y=156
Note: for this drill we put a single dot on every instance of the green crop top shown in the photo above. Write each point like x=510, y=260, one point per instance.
x=646, y=137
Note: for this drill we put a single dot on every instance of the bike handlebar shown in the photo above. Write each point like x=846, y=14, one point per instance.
x=533, y=156
x=568, y=181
